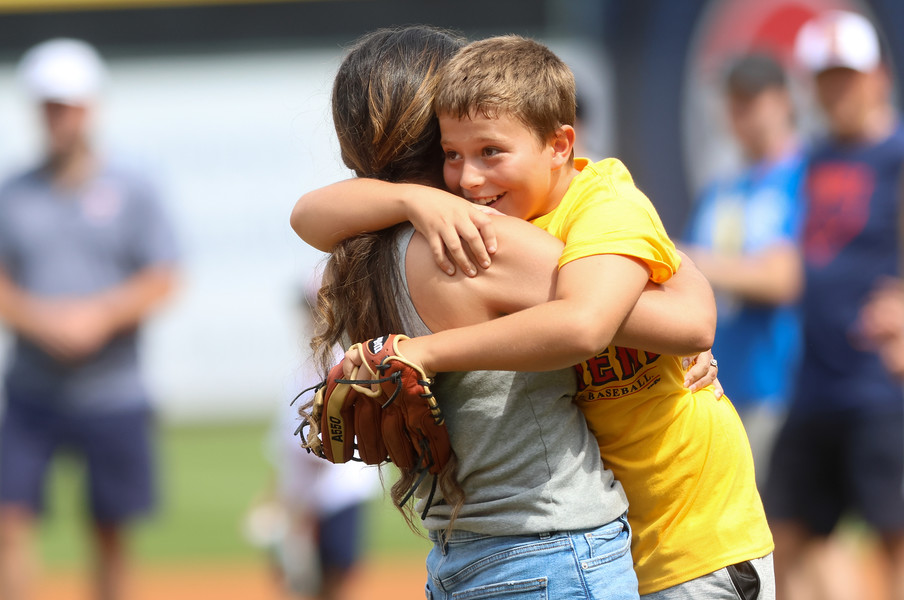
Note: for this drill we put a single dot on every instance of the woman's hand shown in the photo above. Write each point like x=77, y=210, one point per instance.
x=455, y=229
x=701, y=371
x=350, y=362
x=412, y=354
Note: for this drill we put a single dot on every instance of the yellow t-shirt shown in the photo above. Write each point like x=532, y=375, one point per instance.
x=683, y=458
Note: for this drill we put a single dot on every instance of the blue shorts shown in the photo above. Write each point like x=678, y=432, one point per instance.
x=339, y=538
x=566, y=565
x=824, y=465
x=116, y=448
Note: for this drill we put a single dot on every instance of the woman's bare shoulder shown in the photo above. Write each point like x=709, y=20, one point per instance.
x=522, y=274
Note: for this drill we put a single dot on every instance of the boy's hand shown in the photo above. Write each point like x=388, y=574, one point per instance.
x=702, y=371
x=447, y=221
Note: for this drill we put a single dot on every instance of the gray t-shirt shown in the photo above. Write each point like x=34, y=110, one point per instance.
x=527, y=462
x=59, y=243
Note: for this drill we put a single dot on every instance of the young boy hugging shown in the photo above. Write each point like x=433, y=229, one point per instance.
x=506, y=112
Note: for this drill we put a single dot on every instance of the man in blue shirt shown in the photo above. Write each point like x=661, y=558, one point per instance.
x=85, y=256
x=743, y=236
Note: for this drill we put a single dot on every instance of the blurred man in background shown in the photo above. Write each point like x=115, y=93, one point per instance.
x=842, y=446
x=85, y=256
x=743, y=236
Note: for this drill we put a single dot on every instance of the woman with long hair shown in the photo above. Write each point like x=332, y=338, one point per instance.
x=527, y=507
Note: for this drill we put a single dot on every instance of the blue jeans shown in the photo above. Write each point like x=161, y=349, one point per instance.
x=591, y=564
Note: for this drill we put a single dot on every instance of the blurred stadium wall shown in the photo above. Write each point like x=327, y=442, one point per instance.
x=226, y=104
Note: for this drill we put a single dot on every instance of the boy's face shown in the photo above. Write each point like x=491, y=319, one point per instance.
x=756, y=118
x=498, y=162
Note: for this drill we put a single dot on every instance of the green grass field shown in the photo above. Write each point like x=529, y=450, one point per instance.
x=209, y=476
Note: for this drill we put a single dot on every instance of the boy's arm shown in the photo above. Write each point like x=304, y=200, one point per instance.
x=683, y=310
x=593, y=296
x=326, y=216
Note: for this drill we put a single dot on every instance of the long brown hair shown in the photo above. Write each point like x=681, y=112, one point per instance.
x=382, y=110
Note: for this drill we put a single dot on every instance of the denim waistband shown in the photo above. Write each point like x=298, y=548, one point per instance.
x=437, y=536
x=458, y=535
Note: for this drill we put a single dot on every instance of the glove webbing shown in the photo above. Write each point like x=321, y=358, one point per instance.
x=314, y=387
x=396, y=378
x=305, y=422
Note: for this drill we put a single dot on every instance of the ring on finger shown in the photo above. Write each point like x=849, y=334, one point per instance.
x=714, y=362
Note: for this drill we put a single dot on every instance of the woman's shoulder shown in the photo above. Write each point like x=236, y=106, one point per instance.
x=522, y=274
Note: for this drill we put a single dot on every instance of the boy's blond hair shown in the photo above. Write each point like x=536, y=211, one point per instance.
x=509, y=75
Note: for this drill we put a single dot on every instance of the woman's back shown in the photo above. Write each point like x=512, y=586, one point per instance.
x=527, y=462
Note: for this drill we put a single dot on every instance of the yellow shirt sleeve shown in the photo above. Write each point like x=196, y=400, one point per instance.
x=603, y=212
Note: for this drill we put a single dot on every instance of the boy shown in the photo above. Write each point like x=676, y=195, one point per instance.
x=743, y=236
x=506, y=108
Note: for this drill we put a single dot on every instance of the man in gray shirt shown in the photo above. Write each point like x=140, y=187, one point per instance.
x=86, y=254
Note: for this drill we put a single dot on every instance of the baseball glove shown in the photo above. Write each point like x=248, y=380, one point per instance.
x=337, y=411
x=384, y=412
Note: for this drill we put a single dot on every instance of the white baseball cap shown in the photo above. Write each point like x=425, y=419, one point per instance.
x=63, y=70
x=838, y=38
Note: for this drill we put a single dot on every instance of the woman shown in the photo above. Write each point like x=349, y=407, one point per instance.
x=538, y=512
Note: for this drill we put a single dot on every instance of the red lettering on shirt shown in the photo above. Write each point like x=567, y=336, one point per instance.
x=616, y=364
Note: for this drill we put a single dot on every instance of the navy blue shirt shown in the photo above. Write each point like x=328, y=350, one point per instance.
x=850, y=242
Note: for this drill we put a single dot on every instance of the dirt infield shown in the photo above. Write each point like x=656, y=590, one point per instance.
x=235, y=582
x=390, y=580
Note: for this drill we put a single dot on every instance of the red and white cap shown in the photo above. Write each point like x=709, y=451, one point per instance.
x=63, y=70
x=838, y=39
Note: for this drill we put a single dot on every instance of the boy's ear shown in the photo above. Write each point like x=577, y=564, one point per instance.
x=562, y=144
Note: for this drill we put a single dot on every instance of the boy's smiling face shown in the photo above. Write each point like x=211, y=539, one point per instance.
x=499, y=162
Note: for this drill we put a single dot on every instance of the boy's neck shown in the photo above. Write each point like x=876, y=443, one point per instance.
x=561, y=182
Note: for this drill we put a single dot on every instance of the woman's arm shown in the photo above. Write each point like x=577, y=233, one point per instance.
x=328, y=215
